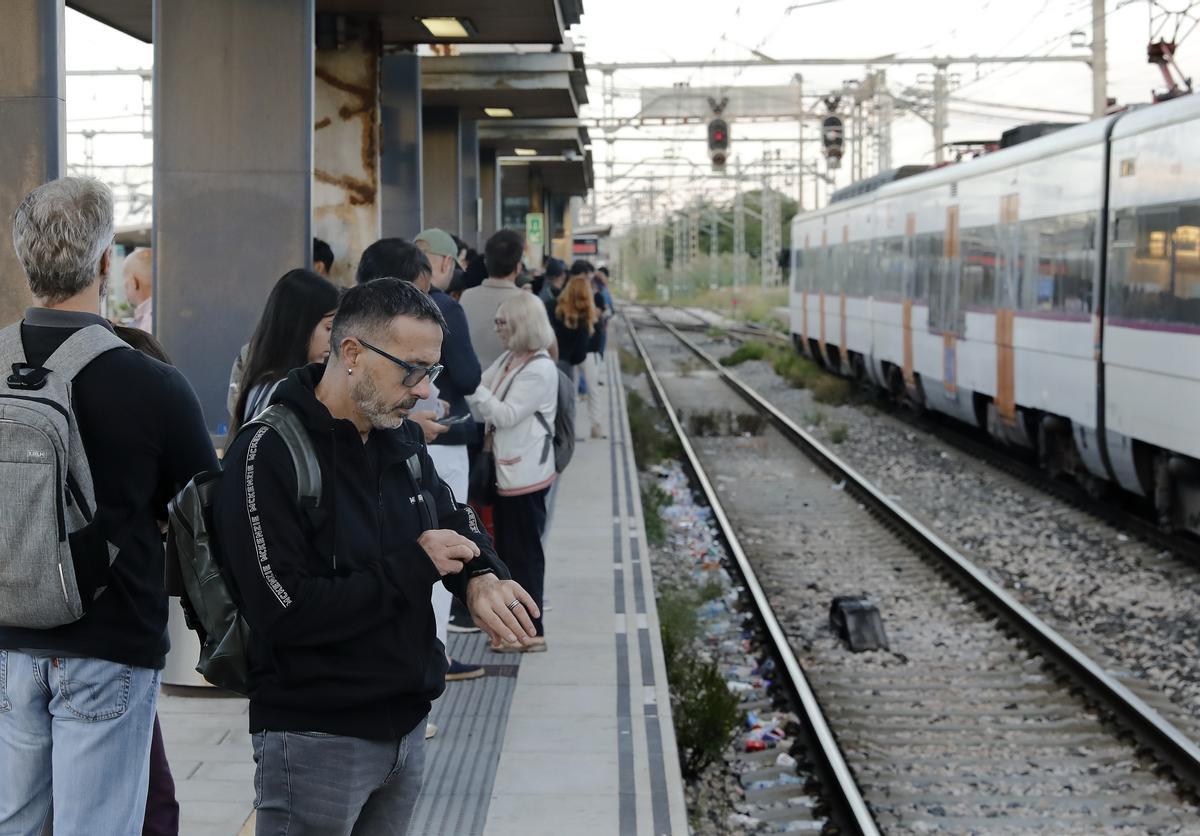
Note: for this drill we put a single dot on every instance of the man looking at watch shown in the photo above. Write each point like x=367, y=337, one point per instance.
x=342, y=651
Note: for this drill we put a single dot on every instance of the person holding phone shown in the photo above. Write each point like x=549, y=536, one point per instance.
x=428, y=262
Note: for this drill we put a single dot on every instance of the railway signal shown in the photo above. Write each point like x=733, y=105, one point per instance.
x=718, y=144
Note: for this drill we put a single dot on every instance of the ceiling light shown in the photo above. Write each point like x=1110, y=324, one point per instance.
x=498, y=112
x=526, y=152
x=448, y=27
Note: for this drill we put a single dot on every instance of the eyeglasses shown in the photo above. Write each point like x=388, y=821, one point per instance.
x=413, y=374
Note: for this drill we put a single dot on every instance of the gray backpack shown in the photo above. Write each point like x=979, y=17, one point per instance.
x=562, y=436
x=45, y=480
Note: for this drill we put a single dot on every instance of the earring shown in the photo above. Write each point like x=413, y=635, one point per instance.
x=349, y=371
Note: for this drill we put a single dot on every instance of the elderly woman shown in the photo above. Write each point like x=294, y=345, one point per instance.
x=517, y=399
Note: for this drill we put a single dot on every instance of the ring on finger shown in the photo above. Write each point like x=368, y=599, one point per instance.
x=513, y=605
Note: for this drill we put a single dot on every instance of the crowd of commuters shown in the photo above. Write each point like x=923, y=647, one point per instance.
x=439, y=365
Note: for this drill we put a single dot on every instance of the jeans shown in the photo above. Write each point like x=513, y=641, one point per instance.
x=520, y=521
x=307, y=783
x=587, y=371
x=451, y=463
x=162, y=810
x=75, y=731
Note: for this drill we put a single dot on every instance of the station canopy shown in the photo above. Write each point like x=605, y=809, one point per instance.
x=544, y=137
x=510, y=22
x=525, y=85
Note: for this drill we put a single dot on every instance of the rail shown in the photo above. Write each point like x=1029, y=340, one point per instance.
x=849, y=807
x=1170, y=744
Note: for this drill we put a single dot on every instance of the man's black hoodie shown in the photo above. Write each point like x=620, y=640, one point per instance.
x=342, y=636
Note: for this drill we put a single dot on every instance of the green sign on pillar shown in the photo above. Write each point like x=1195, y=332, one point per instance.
x=535, y=229
x=535, y=237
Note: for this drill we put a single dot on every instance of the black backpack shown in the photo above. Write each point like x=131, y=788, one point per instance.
x=210, y=603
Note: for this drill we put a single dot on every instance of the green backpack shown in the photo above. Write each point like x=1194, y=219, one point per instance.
x=209, y=598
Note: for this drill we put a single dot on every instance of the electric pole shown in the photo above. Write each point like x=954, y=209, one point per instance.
x=885, y=115
x=800, y=144
x=713, y=277
x=1099, y=61
x=739, y=232
x=940, y=95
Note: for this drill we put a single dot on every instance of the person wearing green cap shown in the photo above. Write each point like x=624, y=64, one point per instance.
x=459, y=379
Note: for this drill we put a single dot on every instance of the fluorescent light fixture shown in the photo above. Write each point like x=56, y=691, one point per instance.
x=448, y=27
x=498, y=112
x=526, y=152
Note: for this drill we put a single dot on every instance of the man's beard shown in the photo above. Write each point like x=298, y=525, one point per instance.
x=375, y=407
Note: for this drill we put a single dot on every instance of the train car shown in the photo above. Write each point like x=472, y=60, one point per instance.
x=1048, y=293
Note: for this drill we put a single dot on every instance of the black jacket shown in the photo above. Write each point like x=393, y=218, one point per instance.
x=342, y=635
x=144, y=436
x=462, y=372
x=572, y=342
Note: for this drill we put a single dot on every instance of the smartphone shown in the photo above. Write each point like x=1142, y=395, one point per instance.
x=451, y=420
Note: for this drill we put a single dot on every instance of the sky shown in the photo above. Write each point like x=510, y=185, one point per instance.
x=635, y=30
x=613, y=31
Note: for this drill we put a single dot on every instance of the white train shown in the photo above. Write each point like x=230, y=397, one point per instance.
x=1048, y=293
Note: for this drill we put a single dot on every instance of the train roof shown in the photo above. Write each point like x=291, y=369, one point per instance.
x=1079, y=136
x=1157, y=116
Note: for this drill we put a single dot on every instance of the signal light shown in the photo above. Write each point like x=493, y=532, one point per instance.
x=718, y=135
x=718, y=143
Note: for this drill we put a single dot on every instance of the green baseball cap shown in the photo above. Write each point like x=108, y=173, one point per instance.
x=439, y=242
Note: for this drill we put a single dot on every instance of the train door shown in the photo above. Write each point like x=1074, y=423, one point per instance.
x=909, y=291
x=945, y=311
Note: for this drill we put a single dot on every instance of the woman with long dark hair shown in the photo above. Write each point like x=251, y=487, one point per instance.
x=293, y=331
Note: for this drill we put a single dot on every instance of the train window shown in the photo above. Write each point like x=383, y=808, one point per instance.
x=1186, y=246
x=1057, y=259
x=895, y=268
x=798, y=278
x=1154, y=268
x=979, y=267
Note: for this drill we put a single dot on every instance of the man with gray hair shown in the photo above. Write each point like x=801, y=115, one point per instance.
x=77, y=701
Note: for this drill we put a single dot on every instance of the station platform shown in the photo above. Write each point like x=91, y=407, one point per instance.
x=577, y=740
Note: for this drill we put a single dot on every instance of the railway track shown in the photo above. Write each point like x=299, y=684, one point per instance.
x=980, y=718
x=1116, y=511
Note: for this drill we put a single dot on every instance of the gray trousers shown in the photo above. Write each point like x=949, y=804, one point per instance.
x=308, y=783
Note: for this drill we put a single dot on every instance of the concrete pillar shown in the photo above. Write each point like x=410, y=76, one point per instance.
x=400, y=144
x=346, y=211
x=33, y=118
x=469, y=173
x=233, y=161
x=442, y=161
x=489, y=190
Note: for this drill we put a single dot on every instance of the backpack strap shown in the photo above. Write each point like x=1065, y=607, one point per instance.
x=81, y=348
x=426, y=504
x=12, y=350
x=548, y=445
x=288, y=426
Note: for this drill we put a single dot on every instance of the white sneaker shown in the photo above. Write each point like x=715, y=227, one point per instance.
x=430, y=730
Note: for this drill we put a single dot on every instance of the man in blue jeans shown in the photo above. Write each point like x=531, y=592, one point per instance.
x=77, y=702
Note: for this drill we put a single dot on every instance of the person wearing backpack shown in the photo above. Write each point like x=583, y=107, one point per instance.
x=518, y=400
x=342, y=653
x=99, y=436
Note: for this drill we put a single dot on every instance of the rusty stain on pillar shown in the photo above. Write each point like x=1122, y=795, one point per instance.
x=346, y=210
x=32, y=125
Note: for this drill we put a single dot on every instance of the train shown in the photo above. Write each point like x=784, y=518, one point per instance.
x=1047, y=293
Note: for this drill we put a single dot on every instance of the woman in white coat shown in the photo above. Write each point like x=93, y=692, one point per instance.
x=521, y=385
